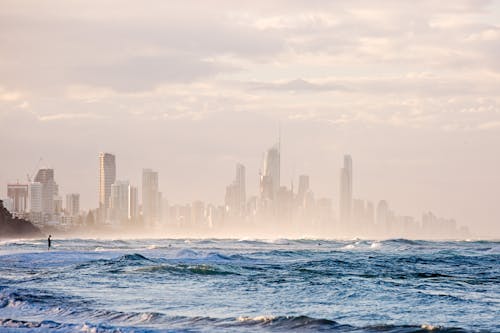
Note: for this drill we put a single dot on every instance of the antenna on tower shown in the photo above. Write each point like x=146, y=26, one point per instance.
x=279, y=137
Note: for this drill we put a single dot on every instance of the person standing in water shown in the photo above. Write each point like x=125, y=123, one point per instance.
x=49, y=243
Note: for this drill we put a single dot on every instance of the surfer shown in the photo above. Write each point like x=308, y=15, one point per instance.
x=49, y=243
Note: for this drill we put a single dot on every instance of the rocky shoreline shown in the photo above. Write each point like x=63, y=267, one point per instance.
x=13, y=227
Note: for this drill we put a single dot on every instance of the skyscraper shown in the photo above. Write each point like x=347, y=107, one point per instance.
x=35, y=200
x=133, y=202
x=241, y=183
x=73, y=204
x=345, y=202
x=151, y=197
x=235, y=199
x=19, y=195
x=270, y=176
x=35, y=197
x=49, y=190
x=119, y=201
x=107, y=176
x=303, y=188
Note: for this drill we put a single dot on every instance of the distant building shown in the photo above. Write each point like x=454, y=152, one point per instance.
x=35, y=202
x=73, y=204
x=303, y=188
x=235, y=198
x=35, y=197
x=198, y=213
x=270, y=175
x=119, y=201
x=382, y=213
x=49, y=190
x=58, y=205
x=19, y=194
x=107, y=176
x=151, y=197
x=133, y=202
x=345, y=203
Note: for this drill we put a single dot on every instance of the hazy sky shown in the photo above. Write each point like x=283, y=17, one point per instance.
x=411, y=89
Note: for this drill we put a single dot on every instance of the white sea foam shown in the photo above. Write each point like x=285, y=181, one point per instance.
x=263, y=319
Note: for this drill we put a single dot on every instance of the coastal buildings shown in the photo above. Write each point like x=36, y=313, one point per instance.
x=270, y=174
x=72, y=204
x=151, y=197
x=276, y=209
x=133, y=203
x=107, y=176
x=49, y=191
x=235, y=198
x=119, y=201
x=345, y=191
x=18, y=193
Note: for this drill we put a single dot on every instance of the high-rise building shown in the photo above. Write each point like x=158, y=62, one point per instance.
x=240, y=181
x=133, y=202
x=303, y=188
x=151, y=197
x=107, y=176
x=58, y=205
x=72, y=204
x=235, y=199
x=119, y=201
x=35, y=197
x=49, y=190
x=270, y=176
x=382, y=213
x=345, y=202
x=19, y=195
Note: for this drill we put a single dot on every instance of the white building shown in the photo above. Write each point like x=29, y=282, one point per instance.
x=72, y=204
x=133, y=202
x=49, y=190
x=345, y=204
x=151, y=197
x=35, y=197
x=18, y=193
x=107, y=176
x=270, y=176
x=119, y=201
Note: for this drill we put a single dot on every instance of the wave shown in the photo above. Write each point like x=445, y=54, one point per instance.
x=266, y=323
x=291, y=323
x=65, y=314
x=182, y=269
x=132, y=257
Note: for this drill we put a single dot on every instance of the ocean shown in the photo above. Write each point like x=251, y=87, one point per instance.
x=248, y=285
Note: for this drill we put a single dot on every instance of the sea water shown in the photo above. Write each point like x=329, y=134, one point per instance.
x=189, y=285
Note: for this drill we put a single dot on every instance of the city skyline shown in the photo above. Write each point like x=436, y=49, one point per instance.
x=274, y=207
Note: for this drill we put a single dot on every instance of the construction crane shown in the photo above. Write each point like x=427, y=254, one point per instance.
x=30, y=176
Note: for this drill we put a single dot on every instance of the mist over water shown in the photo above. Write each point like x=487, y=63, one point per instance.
x=225, y=285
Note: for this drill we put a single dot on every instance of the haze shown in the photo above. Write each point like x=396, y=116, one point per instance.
x=409, y=89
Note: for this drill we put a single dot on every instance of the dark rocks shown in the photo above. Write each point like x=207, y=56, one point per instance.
x=13, y=227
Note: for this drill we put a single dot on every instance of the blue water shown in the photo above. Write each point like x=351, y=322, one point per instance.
x=249, y=285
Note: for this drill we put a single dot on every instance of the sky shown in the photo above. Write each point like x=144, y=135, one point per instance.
x=410, y=89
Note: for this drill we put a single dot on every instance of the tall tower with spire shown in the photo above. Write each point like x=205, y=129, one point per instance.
x=345, y=203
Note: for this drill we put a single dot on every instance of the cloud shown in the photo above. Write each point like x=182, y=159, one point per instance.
x=489, y=125
x=68, y=116
x=9, y=96
x=297, y=85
